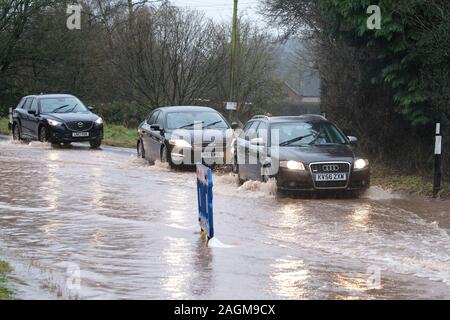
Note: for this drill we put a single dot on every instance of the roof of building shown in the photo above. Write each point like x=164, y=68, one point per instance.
x=310, y=84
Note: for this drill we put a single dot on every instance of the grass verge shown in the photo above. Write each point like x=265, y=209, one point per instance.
x=414, y=184
x=4, y=126
x=120, y=136
x=5, y=293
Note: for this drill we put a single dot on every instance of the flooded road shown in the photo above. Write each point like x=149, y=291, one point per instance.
x=77, y=223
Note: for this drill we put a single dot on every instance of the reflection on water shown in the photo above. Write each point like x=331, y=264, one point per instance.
x=52, y=190
x=132, y=229
x=175, y=256
x=351, y=288
x=361, y=217
x=290, y=277
x=96, y=187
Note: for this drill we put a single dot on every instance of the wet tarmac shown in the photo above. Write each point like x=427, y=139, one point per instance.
x=77, y=223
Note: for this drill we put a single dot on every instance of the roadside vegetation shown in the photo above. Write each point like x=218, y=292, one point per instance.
x=412, y=184
x=5, y=293
x=4, y=126
x=120, y=136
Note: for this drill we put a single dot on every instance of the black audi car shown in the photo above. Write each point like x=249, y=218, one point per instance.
x=56, y=118
x=303, y=153
x=184, y=136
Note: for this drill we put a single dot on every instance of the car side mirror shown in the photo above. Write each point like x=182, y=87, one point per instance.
x=33, y=112
x=234, y=125
x=156, y=127
x=90, y=108
x=353, y=140
x=257, y=142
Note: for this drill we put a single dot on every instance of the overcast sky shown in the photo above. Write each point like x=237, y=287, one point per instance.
x=222, y=10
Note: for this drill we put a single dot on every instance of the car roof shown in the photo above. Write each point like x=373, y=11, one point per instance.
x=279, y=119
x=41, y=96
x=186, y=109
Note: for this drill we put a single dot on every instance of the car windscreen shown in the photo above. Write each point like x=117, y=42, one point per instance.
x=195, y=119
x=306, y=133
x=62, y=105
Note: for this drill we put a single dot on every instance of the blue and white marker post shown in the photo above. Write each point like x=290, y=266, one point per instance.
x=205, y=201
x=437, y=161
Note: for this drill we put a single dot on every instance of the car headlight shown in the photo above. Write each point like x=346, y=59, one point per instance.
x=180, y=143
x=54, y=123
x=99, y=121
x=361, y=164
x=292, y=165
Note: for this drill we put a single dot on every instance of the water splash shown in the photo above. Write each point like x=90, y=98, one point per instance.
x=215, y=243
x=137, y=162
x=260, y=189
x=228, y=184
x=379, y=194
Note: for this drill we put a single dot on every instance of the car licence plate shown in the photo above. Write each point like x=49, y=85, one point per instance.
x=80, y=134
x=212, y=155
x=331, y=177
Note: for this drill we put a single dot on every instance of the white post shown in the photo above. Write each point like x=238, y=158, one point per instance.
x=437, y=161
x=10, y=116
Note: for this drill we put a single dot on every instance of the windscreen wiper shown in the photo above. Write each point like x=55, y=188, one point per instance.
x=212, y=124
x=315, y=139
x=72, y=108
x=59, y=108
x=190, y=125
x=286, y=143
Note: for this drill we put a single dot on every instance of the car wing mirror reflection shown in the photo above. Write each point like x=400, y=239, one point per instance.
x=157, y=127
x=352, y=140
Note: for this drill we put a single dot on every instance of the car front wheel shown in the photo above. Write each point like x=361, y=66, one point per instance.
x=16, y=133
x=43, y=134
x=165, y=157
x=95, y=144
x=140, y=150
x=240, y=181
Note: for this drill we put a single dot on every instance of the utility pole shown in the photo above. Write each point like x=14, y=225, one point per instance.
x=232, y=105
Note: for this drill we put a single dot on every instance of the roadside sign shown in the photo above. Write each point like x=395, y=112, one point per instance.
x=232, y=106
x=205, y=200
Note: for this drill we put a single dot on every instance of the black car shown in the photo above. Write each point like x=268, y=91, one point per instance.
x=185, y=135
x=303, y=153
x=56, y=118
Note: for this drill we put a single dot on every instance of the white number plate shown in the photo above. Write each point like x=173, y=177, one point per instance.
x=212, y=155
x=331, y=177
x=80, y=134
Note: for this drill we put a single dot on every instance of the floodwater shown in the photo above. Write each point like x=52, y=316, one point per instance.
x=77, y=223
